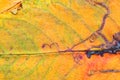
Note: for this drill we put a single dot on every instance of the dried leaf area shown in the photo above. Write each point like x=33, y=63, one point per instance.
x=10, y=6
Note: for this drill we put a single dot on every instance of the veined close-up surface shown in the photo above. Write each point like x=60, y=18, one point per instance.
x=59, y=40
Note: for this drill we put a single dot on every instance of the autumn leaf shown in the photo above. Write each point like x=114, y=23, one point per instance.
x=37, y=36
